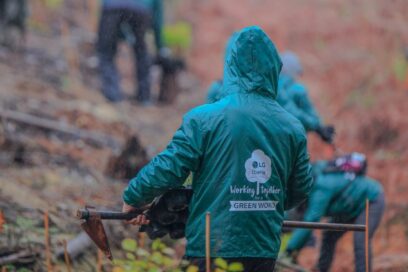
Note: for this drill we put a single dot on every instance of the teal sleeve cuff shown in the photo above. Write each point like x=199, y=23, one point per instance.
x=130, y=198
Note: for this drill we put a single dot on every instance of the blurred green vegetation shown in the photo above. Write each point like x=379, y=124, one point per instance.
x=222, y=265
x=400, y=67
x=53, y=4
x=159, y=257
x=178, y=36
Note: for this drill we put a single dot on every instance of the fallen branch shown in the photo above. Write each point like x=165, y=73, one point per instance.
x=16, y=257
x=95, y=137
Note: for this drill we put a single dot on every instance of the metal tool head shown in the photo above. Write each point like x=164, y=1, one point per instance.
x=94, y=228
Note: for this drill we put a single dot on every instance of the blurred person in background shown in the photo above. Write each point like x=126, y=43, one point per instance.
x=340, y=192
x=292, y=96
x=248, y=157
x=13, y=17
x=128, y=19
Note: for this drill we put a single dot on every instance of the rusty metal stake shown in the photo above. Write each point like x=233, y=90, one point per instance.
x=367, y=250
x=323, y=226
x=47, y=242
x=66, y=256
x=207, y=242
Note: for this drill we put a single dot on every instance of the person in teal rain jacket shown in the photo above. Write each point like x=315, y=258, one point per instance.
x=341, y=196
x=294, y=97
x=129, y=19
x=248, y=157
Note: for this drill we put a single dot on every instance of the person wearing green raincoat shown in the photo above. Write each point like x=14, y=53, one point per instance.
x=342, y=196
x=294, y=97
x=248, y=157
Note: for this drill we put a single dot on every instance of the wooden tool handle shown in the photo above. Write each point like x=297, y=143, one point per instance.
x=107, y=215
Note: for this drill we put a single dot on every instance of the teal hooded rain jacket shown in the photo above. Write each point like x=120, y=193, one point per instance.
x=292, y=96
x=248, y=157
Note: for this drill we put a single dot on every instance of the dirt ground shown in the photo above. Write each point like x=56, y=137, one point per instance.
x=351, y=52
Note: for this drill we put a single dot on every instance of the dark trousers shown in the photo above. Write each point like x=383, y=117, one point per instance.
x=250, y=264
x=113, y=24
x=330, y=239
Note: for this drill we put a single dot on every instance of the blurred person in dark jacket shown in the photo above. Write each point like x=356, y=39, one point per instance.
x=13, y=15
x=129, y=19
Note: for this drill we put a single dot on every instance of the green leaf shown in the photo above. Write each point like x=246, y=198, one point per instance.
x=167, y=262
x=129, y=244
x=168, y=251
x=158, y=245
x=130, y=256
x=142, y=252
x=235, y=267
x=221, y=263
x=140, y=264
x=192, y=268
x=157, y=258
x=189, y=180
x=178, y=35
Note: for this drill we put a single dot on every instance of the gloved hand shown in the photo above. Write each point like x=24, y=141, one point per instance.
x=326, y=133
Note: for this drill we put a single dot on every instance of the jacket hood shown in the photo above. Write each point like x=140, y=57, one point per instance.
x=252, y=63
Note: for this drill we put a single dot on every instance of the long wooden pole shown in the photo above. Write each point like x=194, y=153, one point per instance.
x=66, y=256
x=207, y=242
x=112, y=215
x=367, y=249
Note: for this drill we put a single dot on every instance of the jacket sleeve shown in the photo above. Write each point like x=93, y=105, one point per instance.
x=170, y=168
x=158, y=23
x=307, y=114
x=318, y=204
x=300, y=181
